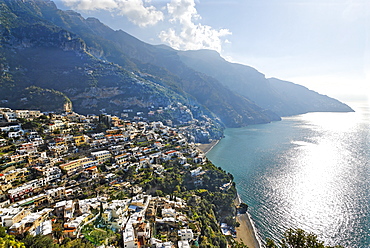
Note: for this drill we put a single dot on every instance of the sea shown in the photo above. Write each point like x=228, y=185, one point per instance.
x=310, y=171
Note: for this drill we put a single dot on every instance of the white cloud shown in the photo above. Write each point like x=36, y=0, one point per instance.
x=91, y=4
x=181, y=28
x=183, y=11
x=188, y=35
x=135, y=10
x=138, y=14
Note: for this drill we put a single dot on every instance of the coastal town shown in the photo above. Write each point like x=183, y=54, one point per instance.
x=112, y=182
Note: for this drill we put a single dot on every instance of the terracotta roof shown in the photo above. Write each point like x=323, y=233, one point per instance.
x=91, y=168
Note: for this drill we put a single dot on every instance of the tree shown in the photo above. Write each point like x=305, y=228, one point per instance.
x=38, y=241
x=2, y=231
x=298, y=238
x=9, y=241
x=270, y=244
x=57, y=230
x=101, y=127
x=159, y=192
x=77, y=243
x=32, y=125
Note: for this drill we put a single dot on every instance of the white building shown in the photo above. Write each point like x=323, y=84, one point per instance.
x=186, y=234
x=183, y=244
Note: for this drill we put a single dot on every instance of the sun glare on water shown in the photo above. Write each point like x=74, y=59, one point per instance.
x=309, y=171
x=317, y=169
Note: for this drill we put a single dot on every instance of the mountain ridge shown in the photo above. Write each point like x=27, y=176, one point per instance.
x=88, y=56
x=274, y=94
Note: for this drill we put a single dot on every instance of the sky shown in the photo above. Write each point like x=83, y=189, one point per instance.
x=321, y=44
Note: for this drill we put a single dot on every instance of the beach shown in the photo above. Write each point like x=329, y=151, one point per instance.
x=207, y=147
x=246, y=232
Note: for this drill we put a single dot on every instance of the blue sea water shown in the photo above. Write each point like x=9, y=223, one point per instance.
x=310, y=171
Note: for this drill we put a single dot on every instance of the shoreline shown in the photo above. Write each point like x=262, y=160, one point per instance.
x=205, y=148
x=246, y=232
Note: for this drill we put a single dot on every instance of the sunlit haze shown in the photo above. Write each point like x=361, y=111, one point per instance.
x=323, y=45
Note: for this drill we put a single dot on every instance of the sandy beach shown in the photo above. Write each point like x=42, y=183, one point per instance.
x=207, y=147
x=246, y=232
